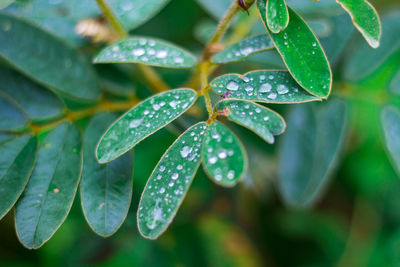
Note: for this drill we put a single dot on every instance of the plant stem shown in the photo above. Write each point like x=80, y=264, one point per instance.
x=108, y=13
x=221, y=29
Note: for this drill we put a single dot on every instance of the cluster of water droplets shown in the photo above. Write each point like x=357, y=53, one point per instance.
x=268, y=86
x=146, y=51
x=171, y=178
x=146, y=118
x=259, y=119
x=244, y=49
x=220, y=152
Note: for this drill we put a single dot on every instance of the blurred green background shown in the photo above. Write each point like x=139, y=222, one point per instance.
x=355, y=223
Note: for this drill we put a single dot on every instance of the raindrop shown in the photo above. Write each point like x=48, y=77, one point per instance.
x=138, y=52
x=135, y=123
x=232, y=86
x=272, y=96
x=212, y=159
x=174, y=176
x=161, y=53
x=222, y=154
x=265, y=88
x=282, y=89
x=231, y=174
x=185, y=151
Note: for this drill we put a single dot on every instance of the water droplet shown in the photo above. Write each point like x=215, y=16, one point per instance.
x=174, y=176
x=272, y=96
x=161, y=53
x=232, y=86
x=179, y=167
x=185, y=151
x=314, y=44
x=162, y=168
x=156, y=107
x=173, y=104
x=138, y=52
x=135, y=123
x=212, y=159
x=231, y=175
x=246, y=79
x=265, y=88
x=162, y=190
x=282, y=89
x=222, y=154
x=178, y=60
x=266, y=118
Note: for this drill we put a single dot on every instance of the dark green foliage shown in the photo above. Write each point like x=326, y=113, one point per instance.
x=67, y=123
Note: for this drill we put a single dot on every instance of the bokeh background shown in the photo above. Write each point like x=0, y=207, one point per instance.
x=355, y=223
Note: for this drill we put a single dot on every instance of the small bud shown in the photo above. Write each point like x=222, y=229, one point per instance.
x=245, y=4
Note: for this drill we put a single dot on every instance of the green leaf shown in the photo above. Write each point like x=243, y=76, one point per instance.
x=133, y=13
x=147, y=51
x=38, y=102
x=243, y=49
x=269, y=86
x=169, y=182
x=365, y=19
x=277, y=15
x=142, y=120
x=46, y=59
x=261, y=120
x=309, y=151
x=17, y=158
x=106, y=189
x=390, y=118
x=5, y=3
x=11, y=116
x=364, y=60
x=224, y=157
x=48, y=197
x=302, y=54
x=116, y=80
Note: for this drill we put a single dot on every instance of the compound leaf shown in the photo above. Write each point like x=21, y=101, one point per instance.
x=390, y=118
x=269, y=86
x=142, y=120
x=46, y=59
x=48, y=197
x=365, y=19
x=106, y=189
x=261, y=120
x=243, y=49
x=302, y=53
x=17, y=158
x=224, y=157
x=309, y=151
x=133, y=13
x=147, y=51
x=11, y=116
x=38, y=102
x=169, y=182
x=277, y=15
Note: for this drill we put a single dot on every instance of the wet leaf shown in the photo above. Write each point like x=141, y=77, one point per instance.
x=364, y=60
x=38, y=102
x=133, y=13
x=17, y=158
x=147, y=51
x=5, y=3
x=224, y=157
x=49, y=194
x=365, y=19
x=243, y=49
x=169, y=182
x=106, y=189
x=302, y=54
x=277, y=15
x=46, y=59
x=269, y=86
x=141, y=121
x=261, y=120
x=314, y=134
x=390, y=118
x=11, y=116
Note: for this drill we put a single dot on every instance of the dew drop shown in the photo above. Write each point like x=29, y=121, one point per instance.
x=135, y=123
x=138, y=52
x=231, y=175
x=212, y=159
x=222, y=154
x=265, y=88
x=185, y=151
x=174, y=176
x=161, y=53
x=282, y=89
x=232, y=86
x=272, y=96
